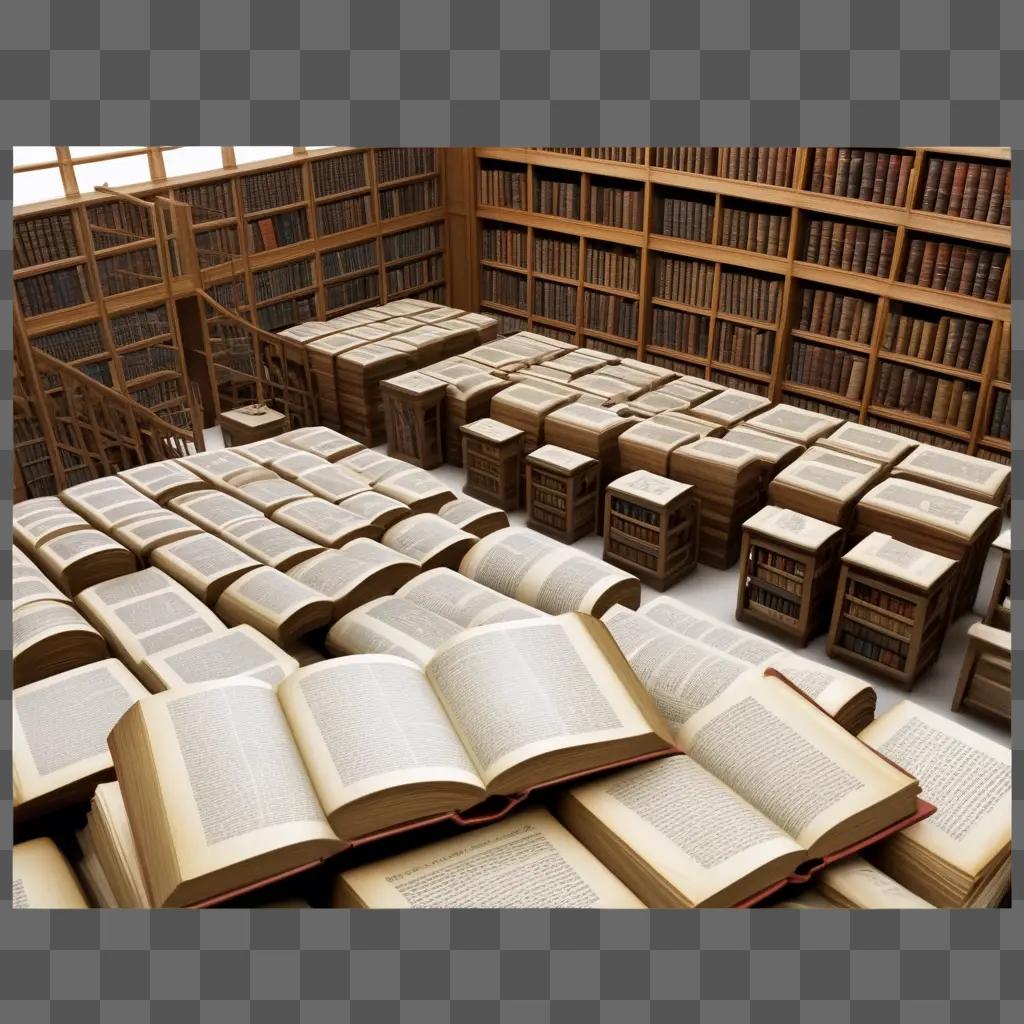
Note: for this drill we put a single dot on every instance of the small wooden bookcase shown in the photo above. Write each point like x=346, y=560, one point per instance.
x=984, y=684
x=561, y=493
x=892, y=608
x=789, y=564
x=652, y=527
x=414, y=418
x=492, y=453
x=998, y=612
x=250, y=423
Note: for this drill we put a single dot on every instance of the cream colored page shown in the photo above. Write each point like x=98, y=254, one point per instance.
x=893, y=558
x=272, y=592
x=861, y=884
x=41, y=879
x=502, y=559
x=690, y=622
x=206, y=557
x=793, y=763
x=964, y=774
x=108, y=797
x=391, y=625
x=690, y=828
x=521, y=689
x=40, y=620
x=423, y=536
x=830, y=689
x=230, y=775
x=931, y=506
x=528, y=860
x=568, y=581
x=368, y=723
x=461, y=600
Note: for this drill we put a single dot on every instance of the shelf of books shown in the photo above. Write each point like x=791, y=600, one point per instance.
x=868, y=284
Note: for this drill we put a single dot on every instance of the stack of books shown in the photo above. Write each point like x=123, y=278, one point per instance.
x=359, y=373
x=527, y=408
x=730, y=407
x=869, y=443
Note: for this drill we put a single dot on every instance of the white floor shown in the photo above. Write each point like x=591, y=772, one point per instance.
x=714, y=592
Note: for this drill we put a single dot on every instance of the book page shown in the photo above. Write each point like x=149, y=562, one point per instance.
x=964, y=774
x=930, y=506
x=411, y=486
x=685, y=825
x=788, y=759
x=424, y=536
x=197, y=562
x=42, y=879
x=42, y=620
x=229, y=779
x=468, y=510
x=29, y=584
x=63, y=551
x=463, y=601
x=528, y=860
x=334, y=573
x=213, y=510
x=391, y=625
x=831, y=689
x=61, y=725
x=891, y=557
x=271, y=593
x=502, y=559
x=517, y=690
x=956, y=468
x=268, y=542
x=368, y=723
x=239, y=651
x=854, y=882
x=690, y=622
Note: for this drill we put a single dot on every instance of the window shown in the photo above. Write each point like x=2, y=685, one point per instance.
x=249, y=154
x=191, y=159
x=37, y=186
x=125, y=170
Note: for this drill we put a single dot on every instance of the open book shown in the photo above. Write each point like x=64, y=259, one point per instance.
x=959, y=857
x=229, y=783
x=42, y=878
x=109, y=863
x=528, y=860
x=162, y=481
x=30, y=584
x=77, y=560
x=38, y=520
x=686, y=659
x=59, y=751
x=204, y=564
x=271, y=601
x=547, y=574
x=429, y=540
x=143, y=534
x=770, y=788
x=322, y=441
x=48, y=637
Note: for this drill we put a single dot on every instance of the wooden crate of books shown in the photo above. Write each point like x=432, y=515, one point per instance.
x=961, y=474
x=561, y=492
x=591, y=431
x=825, y=484
x=728, y=480
x=931, y=518
x=470, y=390
x=527, y=408
x=892, y=608
x=651, y=527
x=789, y=564
x=998, y=612
x=414, y=418
x=984, y=684
x=775, y=453
x=492, y=453
x=250, y=423
x=649, y=444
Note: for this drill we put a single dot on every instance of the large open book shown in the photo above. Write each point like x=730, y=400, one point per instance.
x=59, y=751
x=48, y=637
x=38, y=520
x=79, y=559
x=279, y=606
x=429, y=540
x=547, y=574
x=959, y=857
x=769, y=789
x=204, y=564
x=229, y=783
x=42, y=879
x=528, y=860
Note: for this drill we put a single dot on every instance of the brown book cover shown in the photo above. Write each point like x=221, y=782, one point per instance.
x=956, y=268
x=829, y=177
x=842, y=172
x=978, y=348
x=945, y=186
x=966, y=344
x=943, y=394
x=953, y=413
x=943, y=255
x=995, y=275
x=971, y=183
x=977, y=289
x=951, y=341
x=906, y=164
x=885, y=257
x=931, y=184
x=983, y=196
x=818, y=169
x=874, y=251
x=867, y=180
x=915, y=255
x=835, y=253
x=928, y=394
x=928, y=260
x=860, y=248
x=857, y=373
x=968, y=405
x=914, y=344
x=812, y=242
x=956, y=192
x=855, y=172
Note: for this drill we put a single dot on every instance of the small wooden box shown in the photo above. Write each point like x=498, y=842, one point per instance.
x=492, y=453
x=250, y=423
x=984, y=684
x=561, y=492
x=414, y=418
x=651, y=527
x=998, y=612
x=789, y=564
x=892, y=608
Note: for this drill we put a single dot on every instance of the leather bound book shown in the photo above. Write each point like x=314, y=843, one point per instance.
x=842, y=172
x=867, y=178
x=928, y=394
x=860, y=248
x=956, y=192
x=915, y=254
x=829, y=179
x=906, y=164
x=945, y=186
x=931, y=184
x=951, y=342
x=943, y=255
x=956, y=268
x=977, y=289
x=966, y=345
x=855, y=172
x=995, y=275
x=839, y=232
x=970, y=195
x=978, y=348
x=874, y=251
x=924, y=278
x=983, y=196
x=818, y=169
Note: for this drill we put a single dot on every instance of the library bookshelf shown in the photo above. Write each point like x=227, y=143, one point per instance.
x=110, y=282
x=672, y=255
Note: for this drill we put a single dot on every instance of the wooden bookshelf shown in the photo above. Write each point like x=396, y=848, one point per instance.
x=725, y=326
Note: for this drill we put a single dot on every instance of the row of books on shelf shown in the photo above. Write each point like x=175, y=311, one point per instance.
x=680, y=280
x=556, y=197
x=411, y=198
x=508, y=246
x=281, y=280
x=755, y=229
x=44, y=240
x=966, y=187
x=611, y=314
x=415, y=272
x=343, y=214
x=999, y=421
x=693, y=159
x=291, y=311
x=1005, y=354
x=347, y=293
x=499, y=186
x=683, y=332
x=56, y=289
x=554, y=255
x=146, y=361
x=954, y=267
x=740, y=345
x=751, y=295
x=557, y=301
x=930, y=395
x=827, y=368
x=343, y=173
x=848, y=245
x=837, y=314
x=217, y=245
x=128, y=223
x=349, y=260
x=270, y=189
x=767, y=165
x=413, y=242
x=616, y=206
x=72, y=344
x=684, y=218
x=210, y=201
x=404, y=162
x=278, y=230
x=505, y=288
x=871, y=175
x=955, y=341
x=615, y=267
x=126, y=271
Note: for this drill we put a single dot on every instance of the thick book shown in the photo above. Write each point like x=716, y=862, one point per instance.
x=228, y=784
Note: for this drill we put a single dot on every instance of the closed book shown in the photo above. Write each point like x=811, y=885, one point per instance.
x=995, y=205
x=966, y=345
x=931, y=184
x=945, y=186
x=956, y=268
x=927, y=272
x=943, y=254
x=856, y=386
x=940, y=404
x=978, y=348
x=874, y=251
x=867, y=180
x=953, y=413
x=903, y=184
x=984, y=193
x=842, y=172
x=855, y=171
x=914, y=258
x=968, y=406
x=829, y=177
x=970, y=195
x=818, y=169
x=977, y=289
x=995, y=275
x=928, y=393
x=956, y=192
